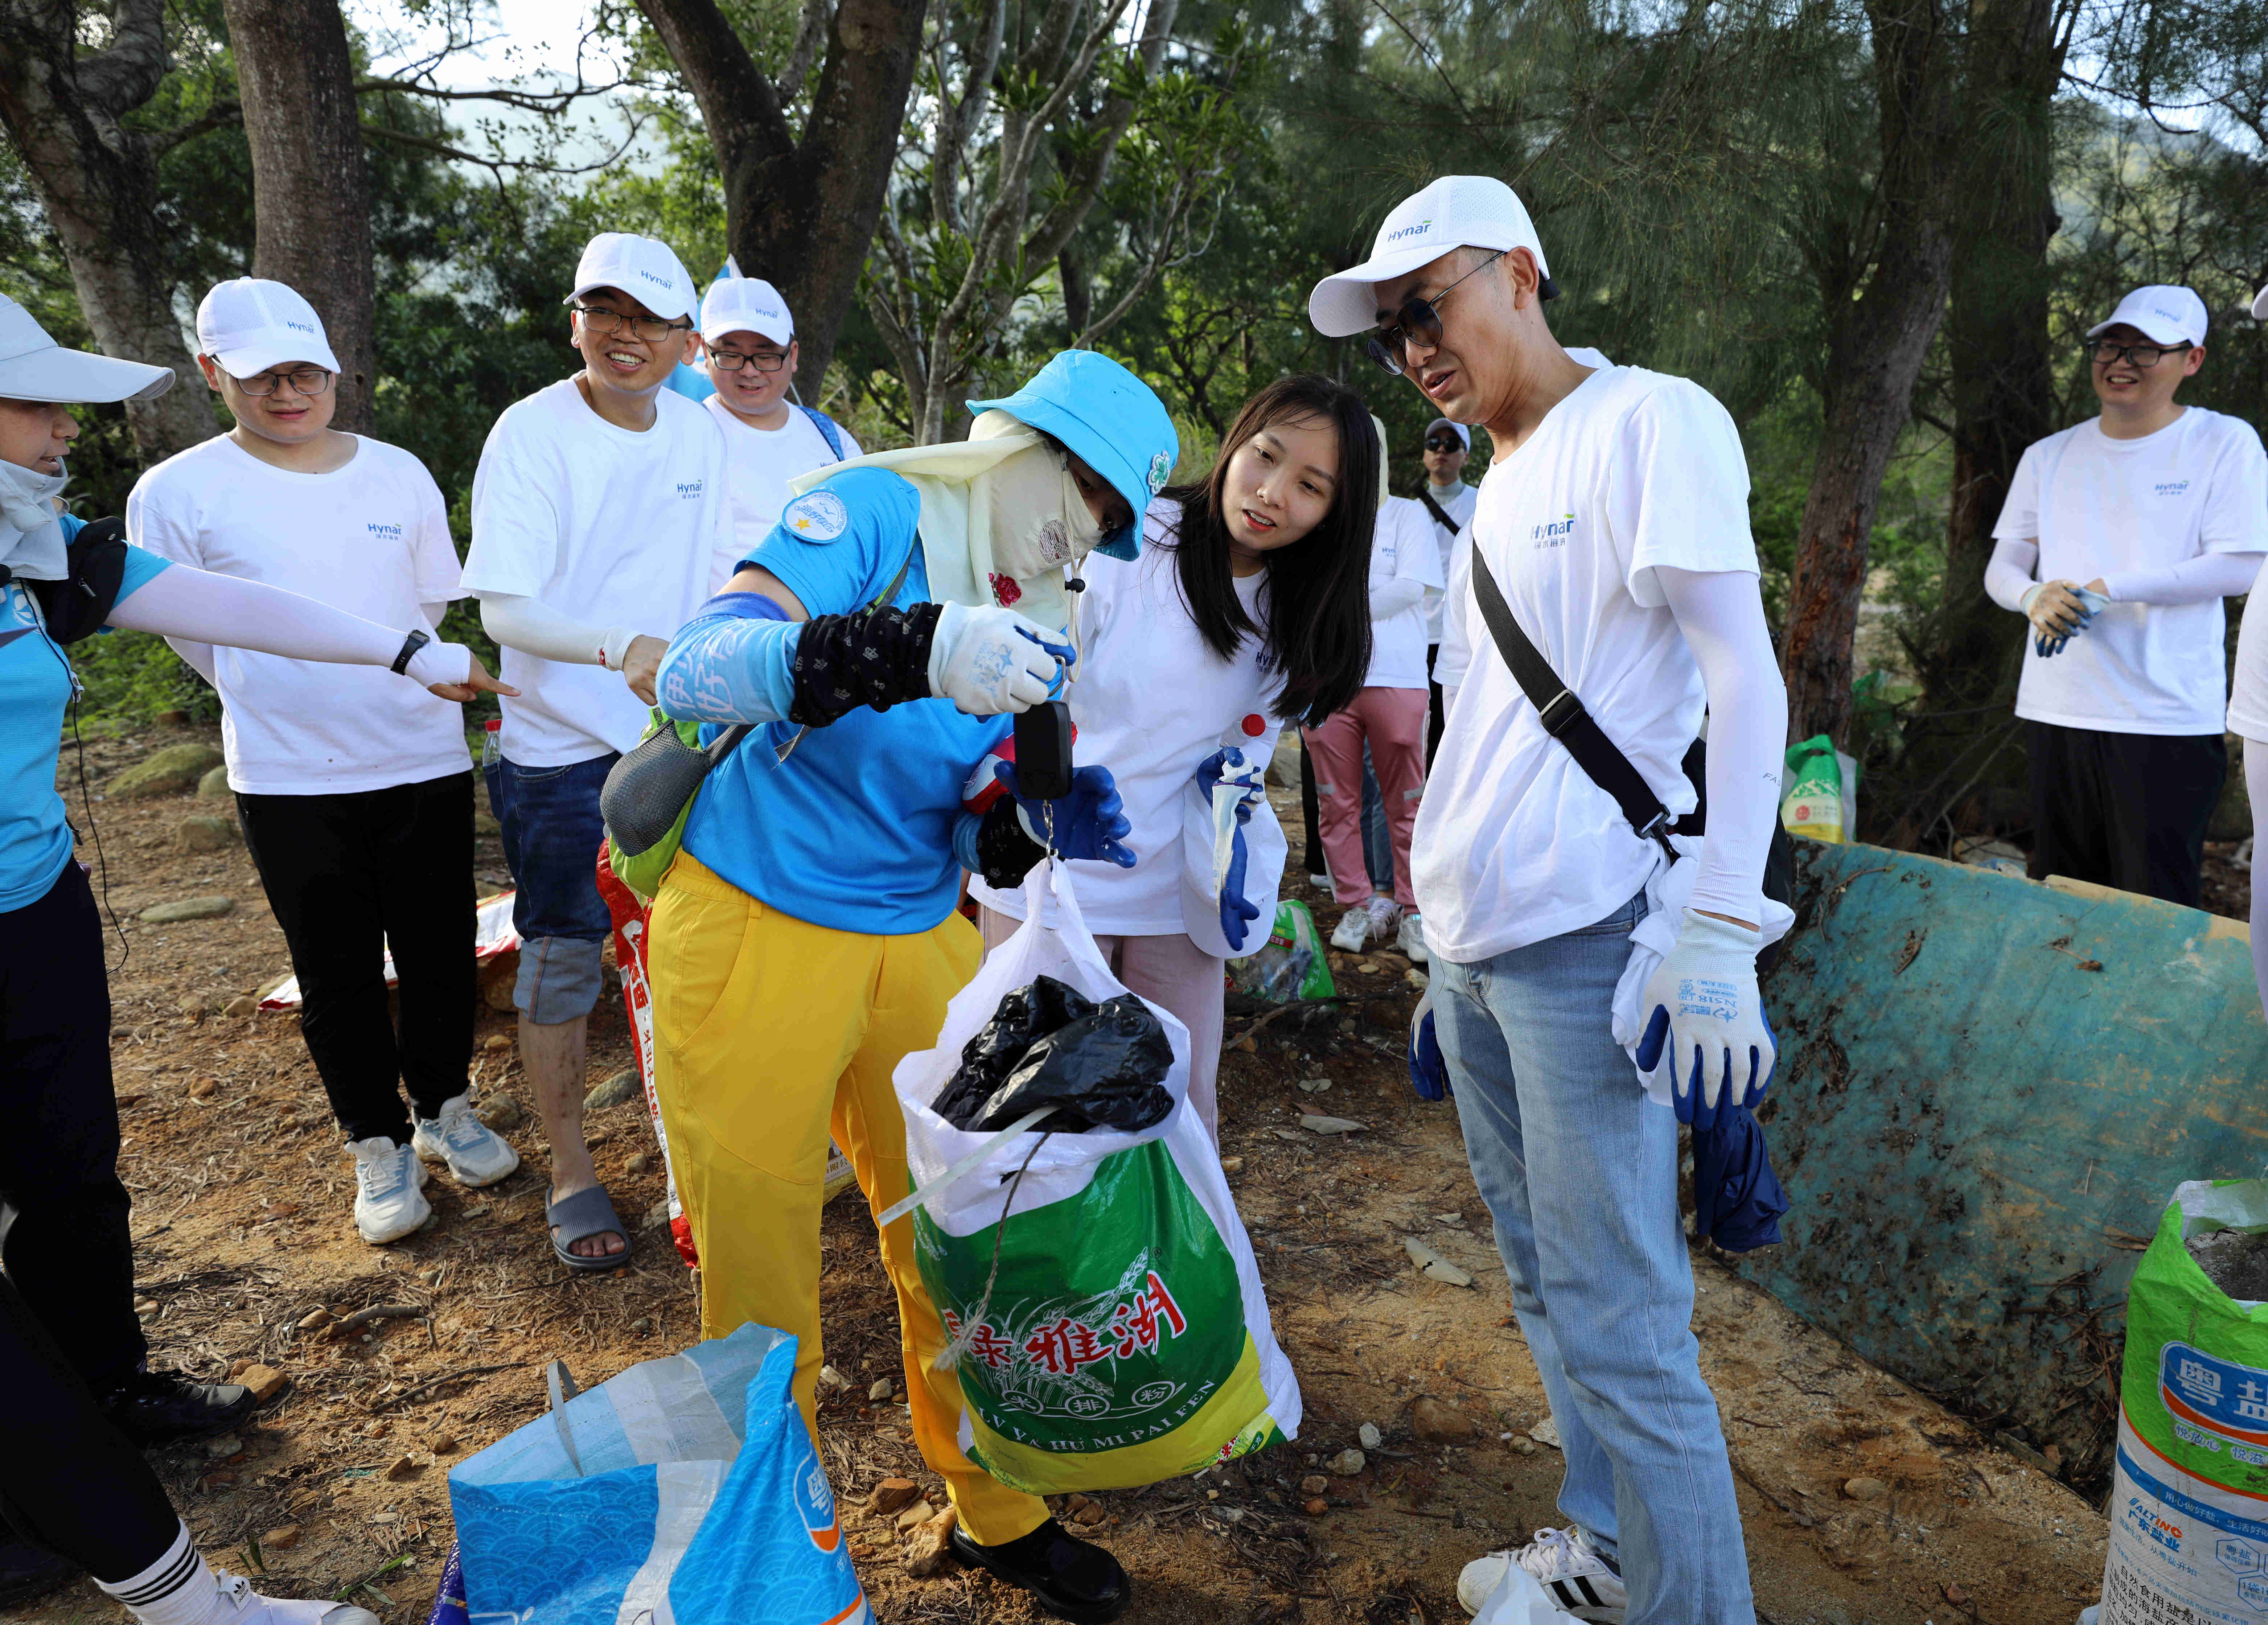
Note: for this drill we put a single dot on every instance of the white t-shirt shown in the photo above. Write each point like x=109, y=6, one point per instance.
x=1134, y=629
x=763, y=461
x=2248, y=693
x=372, y=538
x=1402, y=548
x=1459, y=508
x=2097, y=506
x=604, y=526
x=1515, y=844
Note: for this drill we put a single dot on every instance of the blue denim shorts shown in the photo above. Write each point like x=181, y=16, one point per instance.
x=552, y=834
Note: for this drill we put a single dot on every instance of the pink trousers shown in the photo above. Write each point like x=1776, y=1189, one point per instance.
x=1171, y=971
x=1393, y=721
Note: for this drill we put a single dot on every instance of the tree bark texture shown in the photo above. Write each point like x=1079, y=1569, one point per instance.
x=801, y=212
x=1876, y=344
x=97, y=181
x=310, y=183
x=1997, y=324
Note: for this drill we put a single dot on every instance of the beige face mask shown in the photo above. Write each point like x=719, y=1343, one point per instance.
x=1034, y=522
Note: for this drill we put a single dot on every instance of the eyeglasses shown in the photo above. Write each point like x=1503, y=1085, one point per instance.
x=762, y=360
x=304, y=380
x=1419, y=318
x=1445, y=442
x=2104, y=353
x=650, y=329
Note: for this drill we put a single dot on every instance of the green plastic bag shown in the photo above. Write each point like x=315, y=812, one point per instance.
x=2189, y=1507
x=1291, y=964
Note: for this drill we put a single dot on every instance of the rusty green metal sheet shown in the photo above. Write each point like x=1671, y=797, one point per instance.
x=1988, y=1090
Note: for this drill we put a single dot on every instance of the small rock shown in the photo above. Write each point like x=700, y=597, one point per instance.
x=1329, y=1125
x=222, y=1448
x=186, y=909
x=638, y=1162
x=315, y=1319
x=893, y=1494
x=271, y=984
x=497, y=1042
x=1232, y=1165
x=501, y=1113
x=656, y=1216
x=443, y=1445
x=882, y=1391
x=1433, y=1265
x=1417, y=978
x=1314, y=1484
x=265, y=1381
x=203, y=834
x=1315, y=1085
x=1545, y=1432
x=499, y=981
x=619, y=1089
x=925, y=1552
x=1371, y=1438
x=915, y=1514
x=1089, y=1515
x=829, y=1378
x=145, y=1306
x=280, y=1539
x=1525, y=1446
x=1953, y=1595
x=1438, y=1423
x=1347, y=1463
x=214, y=785
x=378, y=1430
x=400, y=1467
x=203, y=1088
x=242, y=1005
x=1315, y=1506
x=1864, y=1489
x=643, y=1326
x=173, y=771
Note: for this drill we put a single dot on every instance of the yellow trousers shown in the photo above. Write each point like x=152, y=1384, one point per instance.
x=770, y=1036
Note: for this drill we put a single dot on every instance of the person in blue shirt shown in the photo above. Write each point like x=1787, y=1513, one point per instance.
x=67, y=1246
x=805, y=938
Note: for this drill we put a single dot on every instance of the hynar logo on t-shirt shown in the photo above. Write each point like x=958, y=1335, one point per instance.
x=380, y=531
x=1554, y=532
x=689, y=491
x=2171, y=488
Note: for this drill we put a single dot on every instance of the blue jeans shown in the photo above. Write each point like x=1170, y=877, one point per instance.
x=552, y=834
x=1579, y=1174
x=1377, y=842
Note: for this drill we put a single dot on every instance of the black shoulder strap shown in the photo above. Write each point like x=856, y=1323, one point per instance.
x=1440, y=514
x=1564, y=718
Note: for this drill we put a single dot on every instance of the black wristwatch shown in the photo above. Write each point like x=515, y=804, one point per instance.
x=410, y=645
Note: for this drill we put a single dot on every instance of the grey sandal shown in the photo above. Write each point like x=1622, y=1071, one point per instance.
x=587, y=1213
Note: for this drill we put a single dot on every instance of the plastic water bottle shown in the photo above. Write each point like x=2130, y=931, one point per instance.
x=492, y=744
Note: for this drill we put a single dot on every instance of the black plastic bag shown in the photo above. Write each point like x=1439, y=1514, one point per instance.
x=1105, y=1064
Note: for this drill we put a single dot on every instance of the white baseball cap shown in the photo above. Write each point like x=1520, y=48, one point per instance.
x=34, y=367
x=1456, y=211
x=746, y=304
x=2260, y=306
x=2166, y=315
x=1463, y=434
x=249, y=325
x=644, y=267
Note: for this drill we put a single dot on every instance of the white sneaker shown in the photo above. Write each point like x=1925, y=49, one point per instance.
x=1411, y=938
x=475, y=1154
x=236, y=1603
x=1571, y=1571
x=389, y=1203
x=1352, y=933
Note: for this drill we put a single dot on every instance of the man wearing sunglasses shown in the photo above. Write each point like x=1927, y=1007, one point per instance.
x=1448, y=502
x=1614, y=523
x=749, y=351
x=2162, y=511
x=601, y=522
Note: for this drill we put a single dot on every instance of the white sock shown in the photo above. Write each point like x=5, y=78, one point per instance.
x=176, y=1590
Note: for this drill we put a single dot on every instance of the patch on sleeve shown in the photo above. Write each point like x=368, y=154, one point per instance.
x=816, y=516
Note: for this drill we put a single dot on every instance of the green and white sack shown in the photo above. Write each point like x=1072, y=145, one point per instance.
x=2189, y=1508
x=1108, y=1319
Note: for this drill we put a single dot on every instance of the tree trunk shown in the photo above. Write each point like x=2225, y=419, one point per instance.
x=97, y=181
x=1997, y=327
x=310, y=183
x=801, y=213
x=1876, y=344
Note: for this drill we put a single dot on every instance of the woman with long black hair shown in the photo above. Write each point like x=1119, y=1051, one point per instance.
x=1249, y=609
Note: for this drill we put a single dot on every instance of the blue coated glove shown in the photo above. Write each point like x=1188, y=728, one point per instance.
x=1091, y=822
x=1429, y=1073
x=2051, y=645
x=1237, y=911
x=1708, y=1021
x=1246, y=775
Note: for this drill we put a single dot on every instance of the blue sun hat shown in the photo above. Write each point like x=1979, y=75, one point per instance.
x=1111, y=419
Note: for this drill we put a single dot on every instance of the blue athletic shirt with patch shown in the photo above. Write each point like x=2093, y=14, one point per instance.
x=854, y=830
x=36, y=690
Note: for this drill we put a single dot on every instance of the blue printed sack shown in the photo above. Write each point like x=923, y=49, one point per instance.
x=683, y=1489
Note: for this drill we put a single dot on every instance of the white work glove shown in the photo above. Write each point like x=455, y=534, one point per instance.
x=1704, y=1020
x=987, y=661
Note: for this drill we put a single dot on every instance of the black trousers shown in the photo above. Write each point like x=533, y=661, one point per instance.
x=69, y=1480
x=63, y=1230
x=1434, y=707
x=2125, y=810
x=1310, y=812
x=348, y=876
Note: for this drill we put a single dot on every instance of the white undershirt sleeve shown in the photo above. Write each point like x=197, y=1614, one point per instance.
x=2193, y=581
x=2008, y=574
x=1721, y=613
x=534, y=627
x=199, y=608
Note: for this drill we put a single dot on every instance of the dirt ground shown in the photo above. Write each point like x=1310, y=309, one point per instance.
x=1864, y=1501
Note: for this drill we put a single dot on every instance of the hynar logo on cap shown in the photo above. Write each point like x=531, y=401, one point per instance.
x=1455, y=212
x=1418, y=230
x=2162, y=312
x=250, y=324
x=746, y=304
x=644, y=267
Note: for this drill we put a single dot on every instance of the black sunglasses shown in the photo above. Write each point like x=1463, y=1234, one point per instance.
x=1421, y=319
x=1445, y=442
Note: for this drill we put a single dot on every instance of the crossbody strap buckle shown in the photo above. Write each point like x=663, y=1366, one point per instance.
x=1563, y=713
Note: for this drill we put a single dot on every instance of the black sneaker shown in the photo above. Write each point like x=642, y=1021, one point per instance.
x=27, y=1571
x=1071, y=1579
x=166, y=1407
